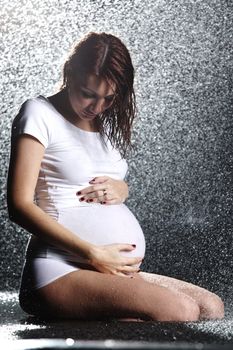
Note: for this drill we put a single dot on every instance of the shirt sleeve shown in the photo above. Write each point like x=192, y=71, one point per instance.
x=32, y=120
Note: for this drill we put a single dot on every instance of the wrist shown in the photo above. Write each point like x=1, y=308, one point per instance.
x=92, y=253
x=85, y=250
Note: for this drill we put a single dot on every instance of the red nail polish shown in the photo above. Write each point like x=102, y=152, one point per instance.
x=81, y=199
x=134, y=245
x=103, y=202
x=90, y=200
x=78, y=193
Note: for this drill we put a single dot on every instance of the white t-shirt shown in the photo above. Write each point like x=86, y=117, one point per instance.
x=72, y=158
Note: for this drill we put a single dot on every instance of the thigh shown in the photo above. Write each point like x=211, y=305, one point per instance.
x=211, y=306
x=86, y=294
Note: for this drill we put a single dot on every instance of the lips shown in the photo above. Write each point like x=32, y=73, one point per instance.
x=90, y=115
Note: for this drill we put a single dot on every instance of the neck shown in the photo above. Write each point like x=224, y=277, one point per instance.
x=64, y=107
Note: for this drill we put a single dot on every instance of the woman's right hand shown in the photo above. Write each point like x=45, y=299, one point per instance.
x=108, y=259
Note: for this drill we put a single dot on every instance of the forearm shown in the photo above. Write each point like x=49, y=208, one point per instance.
x=36, y=221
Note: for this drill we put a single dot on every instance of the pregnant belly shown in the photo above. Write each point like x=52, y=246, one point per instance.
x=103, y=225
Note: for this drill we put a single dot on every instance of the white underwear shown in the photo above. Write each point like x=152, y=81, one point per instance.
x=41, y=271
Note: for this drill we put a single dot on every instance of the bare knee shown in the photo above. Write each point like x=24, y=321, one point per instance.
x=173, y=306
x=213, y=307
x=184, y=310
x=188, y=311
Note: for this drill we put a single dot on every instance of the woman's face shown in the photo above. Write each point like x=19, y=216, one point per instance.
x=91, y=98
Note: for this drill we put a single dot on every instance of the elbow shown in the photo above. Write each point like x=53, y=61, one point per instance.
x=13, y=217
x=13, y=214
x=16, y=212
x=12, y=207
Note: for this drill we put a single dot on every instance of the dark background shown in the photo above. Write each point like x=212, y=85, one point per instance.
x=181, y=167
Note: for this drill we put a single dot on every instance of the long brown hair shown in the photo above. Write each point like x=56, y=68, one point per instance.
x=106, y=56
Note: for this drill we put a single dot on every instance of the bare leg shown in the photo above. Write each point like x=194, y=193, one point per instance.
x=211, y=306
x=86, y=294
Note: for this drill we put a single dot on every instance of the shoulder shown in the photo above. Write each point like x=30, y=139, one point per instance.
x=34, y=119
x=34, y=109
x=35, y=105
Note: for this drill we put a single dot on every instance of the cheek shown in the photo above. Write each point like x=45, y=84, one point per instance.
x=78, y=102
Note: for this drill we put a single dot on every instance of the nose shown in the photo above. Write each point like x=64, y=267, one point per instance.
x=97, y=106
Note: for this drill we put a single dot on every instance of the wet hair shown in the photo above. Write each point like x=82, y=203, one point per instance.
x=105, y=56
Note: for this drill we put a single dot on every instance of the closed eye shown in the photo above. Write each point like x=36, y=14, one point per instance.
x=109, y=99
x=86, y=94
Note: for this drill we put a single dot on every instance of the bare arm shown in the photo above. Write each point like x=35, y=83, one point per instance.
x=26, y=156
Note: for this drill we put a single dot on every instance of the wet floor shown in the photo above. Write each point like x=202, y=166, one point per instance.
x=182, y=73
x=15, y=325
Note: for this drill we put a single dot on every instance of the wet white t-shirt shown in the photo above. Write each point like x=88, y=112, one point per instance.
x=72, y=158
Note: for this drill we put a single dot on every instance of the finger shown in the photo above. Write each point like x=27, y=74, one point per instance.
x=131, y=269
x=94, y=188
x=86, y=190
x=94, y=197
x=111, y=201
x=99, y=179
x=126, y=247
x=102, y=196
x=93, y=192
x=133, y=261
x=106, y=200
x=122, y=274
x=98, y=196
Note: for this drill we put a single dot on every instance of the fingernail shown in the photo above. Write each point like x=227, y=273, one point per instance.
x=81, y=199
x=131, y=276
x=103, y=202
x=134, y=245
x=78, y=193
x=90, y=200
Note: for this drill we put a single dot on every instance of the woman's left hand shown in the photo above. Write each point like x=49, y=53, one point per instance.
x=104, y=190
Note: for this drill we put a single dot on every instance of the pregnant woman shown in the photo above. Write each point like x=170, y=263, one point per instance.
x=66, y=186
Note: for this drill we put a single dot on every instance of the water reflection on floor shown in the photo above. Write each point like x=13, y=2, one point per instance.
x=15, y=325
x=13, y=319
